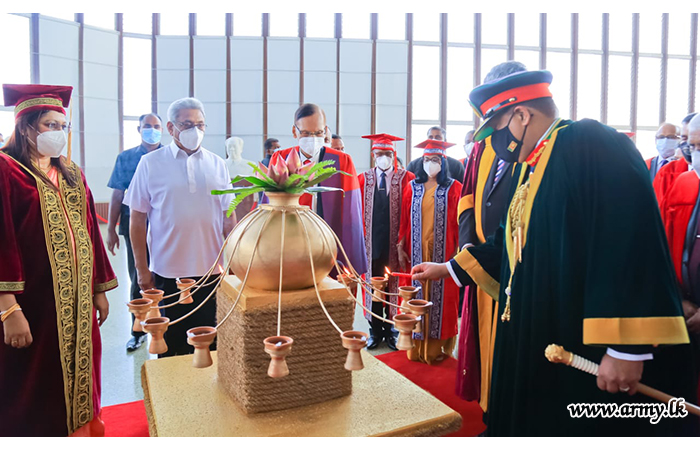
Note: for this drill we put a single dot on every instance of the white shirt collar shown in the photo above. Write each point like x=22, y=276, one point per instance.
x=175, y=150
x=546, y=132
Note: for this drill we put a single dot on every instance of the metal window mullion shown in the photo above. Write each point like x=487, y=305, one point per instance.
x=693, y=61
x=510, y=24
x=443, y=70
x=477, y=57
x=34, y=48
x=635, y=72
x=265, y=36
x=543, y=41
x=338, y=34
x=573, y=97
x=80, y=18
x=155, y=31
x=229, y=34
x=409, y=84
x=119, y=26
x=302, y=34
x=374, y=25
x=605, y=67
x=664, y=68
x=192, y=33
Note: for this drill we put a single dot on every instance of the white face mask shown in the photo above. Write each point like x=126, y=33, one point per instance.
x=191, y=138
x=431, y=168
x=384, y=162
x=311, y=145
x=695, y=158
x=51, y=143
x=468, y=148
x=666, y=147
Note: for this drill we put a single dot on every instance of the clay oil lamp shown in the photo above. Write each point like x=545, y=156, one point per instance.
x=156, y=327
x=156, y=295
x=354, y=341
x=278, y=347
x=201, y=338
x=346, y=279
x=407, y=293
x=140, y=308
x=379, y=283
x=405, y=324
x=420, y=308
x=184, y=285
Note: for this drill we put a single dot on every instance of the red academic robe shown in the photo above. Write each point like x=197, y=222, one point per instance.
x=342, y=211
x=444, y=293
x=667, y=175
x=399, y=184
x=676, y=211
x=52, y=387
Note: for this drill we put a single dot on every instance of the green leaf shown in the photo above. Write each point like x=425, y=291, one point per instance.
x=319, y=179
x=240, y=195
x=256, y=169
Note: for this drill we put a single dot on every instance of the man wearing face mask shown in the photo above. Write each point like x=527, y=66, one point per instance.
x=455, y=168
x=485, y=197
x=150, y=129
x=581, y=260
x=668, y=174
x=341, y=210
x=468, y=146
x=171, y=190
x=382, y=189
x=667, y=139
x=429, y=233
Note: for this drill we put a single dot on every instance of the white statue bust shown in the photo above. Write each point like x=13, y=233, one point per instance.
x=234, y=159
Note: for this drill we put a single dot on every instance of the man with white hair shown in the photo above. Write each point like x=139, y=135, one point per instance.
x=186, y=224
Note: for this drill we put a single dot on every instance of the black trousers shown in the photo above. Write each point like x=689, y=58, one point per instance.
x=176, y=336
x=378, y=328
x=133, y=276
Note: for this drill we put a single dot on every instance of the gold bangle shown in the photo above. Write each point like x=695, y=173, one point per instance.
x=5, y=314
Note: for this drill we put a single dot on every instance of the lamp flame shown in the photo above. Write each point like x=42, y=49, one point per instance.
x=221, y=269
x=347, y=271
x=387, y=272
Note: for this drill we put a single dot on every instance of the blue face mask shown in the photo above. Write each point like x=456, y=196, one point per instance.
x=151, y=135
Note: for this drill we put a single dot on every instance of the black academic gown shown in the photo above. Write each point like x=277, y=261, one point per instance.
x=595, y=273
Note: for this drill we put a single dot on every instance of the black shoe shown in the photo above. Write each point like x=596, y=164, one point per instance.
x=391, y=342
x=373, y=342
x=135, y=342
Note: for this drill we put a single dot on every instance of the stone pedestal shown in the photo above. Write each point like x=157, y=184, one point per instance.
x=316, y=372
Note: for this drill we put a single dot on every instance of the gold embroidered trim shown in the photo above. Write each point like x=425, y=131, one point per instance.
x=11, y=286
x=104, y=287
x=36, y=102
x=72, y=290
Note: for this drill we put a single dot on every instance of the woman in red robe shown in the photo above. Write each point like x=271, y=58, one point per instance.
x=429, y=232
x=55, y=268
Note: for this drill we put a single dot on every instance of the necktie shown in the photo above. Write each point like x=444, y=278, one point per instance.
x=382, y=182
x=499, y=171
x=663, y=163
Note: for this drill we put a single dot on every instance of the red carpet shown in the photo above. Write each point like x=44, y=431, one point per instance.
x=125, y=420
x=439, y=380
x=129, y=419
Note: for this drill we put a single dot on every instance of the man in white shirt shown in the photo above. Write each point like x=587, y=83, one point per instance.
x=171, y=189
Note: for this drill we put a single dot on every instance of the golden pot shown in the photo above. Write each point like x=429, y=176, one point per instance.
x=265, y=268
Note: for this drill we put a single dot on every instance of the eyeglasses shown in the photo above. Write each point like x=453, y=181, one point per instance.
x=435, y=159
x=188, y=125
x=305, y=133
x=55, y=126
